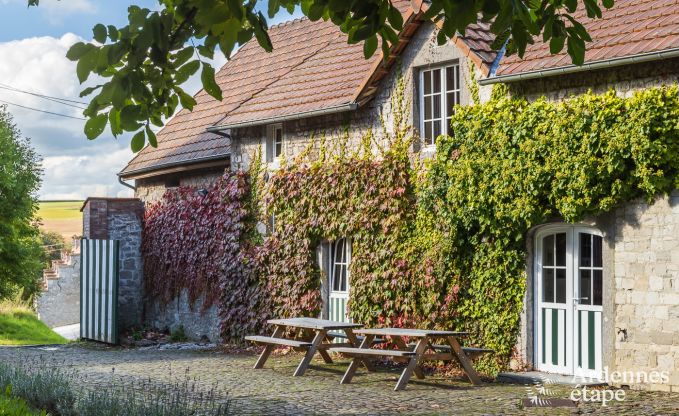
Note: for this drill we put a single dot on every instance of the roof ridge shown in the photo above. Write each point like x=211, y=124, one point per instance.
x=323, y=46
x=288, y=22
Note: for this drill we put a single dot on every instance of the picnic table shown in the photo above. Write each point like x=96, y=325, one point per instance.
x=308, y=334
x=423, y=349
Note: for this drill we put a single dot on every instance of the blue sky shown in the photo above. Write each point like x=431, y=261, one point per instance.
x=33, y=44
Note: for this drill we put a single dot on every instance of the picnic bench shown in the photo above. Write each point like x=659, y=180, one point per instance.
x=308, y=334
x=414, y=354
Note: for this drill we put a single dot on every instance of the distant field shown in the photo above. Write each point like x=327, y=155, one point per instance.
x=63, y=217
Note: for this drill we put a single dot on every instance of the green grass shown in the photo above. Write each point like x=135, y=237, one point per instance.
x=60, y=210
x=20, y=326
x=14, y=406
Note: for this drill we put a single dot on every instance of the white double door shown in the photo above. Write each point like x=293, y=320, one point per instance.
x=569, y=294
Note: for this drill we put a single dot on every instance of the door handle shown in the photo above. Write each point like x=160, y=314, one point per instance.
x=577, y=300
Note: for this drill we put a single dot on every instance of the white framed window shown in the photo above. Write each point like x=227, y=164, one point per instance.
x=340, y=258
x=274, y=142
x=439, y=92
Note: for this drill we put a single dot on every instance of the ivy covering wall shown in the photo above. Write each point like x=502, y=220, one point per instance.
x=440, y=245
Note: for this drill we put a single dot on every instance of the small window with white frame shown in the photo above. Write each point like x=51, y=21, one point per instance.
x=274, y=142
x=439, y=93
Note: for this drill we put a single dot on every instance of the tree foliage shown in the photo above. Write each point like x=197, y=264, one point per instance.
x=21, y=256
x=145, y=63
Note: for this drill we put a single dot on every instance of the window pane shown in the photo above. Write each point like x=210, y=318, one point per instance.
x=560, y=285
x=585, y=287
x=437, y=105
x=585, y=250
x=561, y=249
x=597, y=243
x=450, y=103
x=427, y=82
x=457, y=77
x=279, y=148
x=428, y=132
x=436, y=74
x=450, y=78
x=597, y=287
x=547, y=285
x=548, y=250
x=335, y=278
x=343, y=286
x=427, y=108
x=437, y=131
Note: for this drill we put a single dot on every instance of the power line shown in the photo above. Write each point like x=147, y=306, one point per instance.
x=64, y=101
x=42, y=111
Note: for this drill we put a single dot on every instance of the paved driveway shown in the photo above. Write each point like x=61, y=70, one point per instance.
x=70, y=332
x=274, y=390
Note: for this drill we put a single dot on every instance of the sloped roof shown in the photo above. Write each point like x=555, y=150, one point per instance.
x=249, y=71
x=630, y=27
x=311, y=68
x=476, y=44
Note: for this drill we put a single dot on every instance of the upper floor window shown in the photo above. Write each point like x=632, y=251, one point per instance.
x=439, y=92
x=274, y=142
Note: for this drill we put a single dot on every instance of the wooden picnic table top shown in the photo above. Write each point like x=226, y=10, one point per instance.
x=407, y=332
x=314, y=323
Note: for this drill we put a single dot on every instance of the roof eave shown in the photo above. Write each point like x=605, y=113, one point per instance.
x=132, y=174
x=287, y=117
x=571, y=69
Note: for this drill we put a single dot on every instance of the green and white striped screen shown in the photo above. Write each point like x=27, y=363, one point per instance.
x=99, y=290
x=338, y=309
x=554, y=336
x=589, y=340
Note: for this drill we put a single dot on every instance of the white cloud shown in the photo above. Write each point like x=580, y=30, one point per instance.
x=73, y=166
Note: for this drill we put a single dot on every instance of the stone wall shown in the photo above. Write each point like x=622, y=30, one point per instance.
x=624, y=79
x=151, y=190
x=198, y=323
x=59, y=303
x=646, y=269
x=126, y=227
x=121, y=219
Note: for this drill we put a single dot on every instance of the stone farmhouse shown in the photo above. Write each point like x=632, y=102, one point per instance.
x=601, y=294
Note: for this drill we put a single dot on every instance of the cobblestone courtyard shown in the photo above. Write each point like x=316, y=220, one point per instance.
x=274, y=390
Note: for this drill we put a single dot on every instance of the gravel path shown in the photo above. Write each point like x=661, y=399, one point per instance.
x=274, y=390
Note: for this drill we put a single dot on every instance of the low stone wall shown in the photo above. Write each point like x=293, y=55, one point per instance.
x=59, y=305
x=180, y=312
x=647, y=289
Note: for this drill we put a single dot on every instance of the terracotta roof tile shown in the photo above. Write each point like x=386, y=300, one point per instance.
x=630, y=27
x=250, y=71
x=310, y=68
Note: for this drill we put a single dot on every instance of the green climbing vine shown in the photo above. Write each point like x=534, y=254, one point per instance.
x=443, y=245
x=439, y=244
